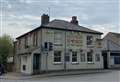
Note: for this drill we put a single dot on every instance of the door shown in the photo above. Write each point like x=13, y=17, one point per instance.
x=36, y=63
x=105, y=61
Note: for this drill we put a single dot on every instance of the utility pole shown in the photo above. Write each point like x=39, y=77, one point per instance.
x=65, y=53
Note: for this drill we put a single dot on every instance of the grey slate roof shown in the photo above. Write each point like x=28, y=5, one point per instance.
x=62, y=24
x=113, y=40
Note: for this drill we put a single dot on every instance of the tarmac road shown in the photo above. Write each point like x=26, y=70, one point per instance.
x=113, y=76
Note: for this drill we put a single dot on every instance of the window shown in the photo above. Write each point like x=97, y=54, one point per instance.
x=19, y=44
x=67, y=57
x=24, y=67
x=26, y=42
x=89, y=40
x=89, y=57
x=57, y=56
x=58, y=37
x=116, y=59
x=97, y=57
x=35, y=38
x=83, y=57
x=74, y=56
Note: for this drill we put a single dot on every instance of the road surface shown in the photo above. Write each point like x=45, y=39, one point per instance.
x=113, y=76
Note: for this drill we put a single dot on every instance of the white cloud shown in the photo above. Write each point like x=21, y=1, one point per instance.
x=84, y=17
x=56, y=1
x=62, y=18
x=15, y=29
x=9, y=6
x=28, y=1
x=31, y=17
x=105, y=28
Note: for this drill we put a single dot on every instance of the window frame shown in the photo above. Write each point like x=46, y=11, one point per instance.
x=57, y=57
x=89, y=40
x=90, y=57
x=26, y=45
x=97, y=57
x=35, y=38
x=73, y=56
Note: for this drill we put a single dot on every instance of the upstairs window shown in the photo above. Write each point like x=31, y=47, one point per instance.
x=89, y=40
x=74, y=56
x=58, y=38
x=57, y=56
x=35, y=38
x=26, y=42
x=19, y=44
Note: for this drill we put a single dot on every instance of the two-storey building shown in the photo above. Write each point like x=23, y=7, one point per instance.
x=58, y=45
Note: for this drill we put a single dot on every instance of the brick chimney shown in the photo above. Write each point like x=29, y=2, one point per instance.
x=74, y=20
x=45, y=19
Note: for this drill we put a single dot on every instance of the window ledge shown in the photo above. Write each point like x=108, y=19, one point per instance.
x=90, y=62
x=75, y=62
x=57, y=63
x=91, y=45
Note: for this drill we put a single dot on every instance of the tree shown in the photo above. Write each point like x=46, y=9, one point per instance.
x=6, y=48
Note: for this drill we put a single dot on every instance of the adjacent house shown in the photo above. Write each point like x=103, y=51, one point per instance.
x=111, y=50
x=58, y=45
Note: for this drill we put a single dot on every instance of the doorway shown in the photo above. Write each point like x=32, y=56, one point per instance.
x=36, y=63
x=105, y=61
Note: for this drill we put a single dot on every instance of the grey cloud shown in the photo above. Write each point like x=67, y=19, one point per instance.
x=89, y=12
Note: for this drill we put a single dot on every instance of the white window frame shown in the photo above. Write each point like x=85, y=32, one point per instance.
x=89, y=40
x=89, y=57
x=57, y=62
x=75, y=57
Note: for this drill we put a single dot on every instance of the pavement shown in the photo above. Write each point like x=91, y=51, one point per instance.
x=19, y=76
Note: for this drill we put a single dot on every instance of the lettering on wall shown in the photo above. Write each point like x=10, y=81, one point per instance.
x=74, y=39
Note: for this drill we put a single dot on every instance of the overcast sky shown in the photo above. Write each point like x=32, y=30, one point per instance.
x=20, y=16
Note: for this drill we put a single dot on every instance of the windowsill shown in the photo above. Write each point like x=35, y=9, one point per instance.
x=90, y=62
x=74, y=62
x=90, y=45
x=58, y=44
x=57, y=63
x=82, y=61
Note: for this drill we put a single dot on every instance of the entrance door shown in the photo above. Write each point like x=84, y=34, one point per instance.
x=105, y=61
x=36, y=63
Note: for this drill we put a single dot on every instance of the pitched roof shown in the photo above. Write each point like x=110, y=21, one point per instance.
x=63, y=25
x=115, y=34
x=114, y=37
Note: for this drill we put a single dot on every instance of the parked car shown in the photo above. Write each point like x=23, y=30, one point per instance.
x=1, y=69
